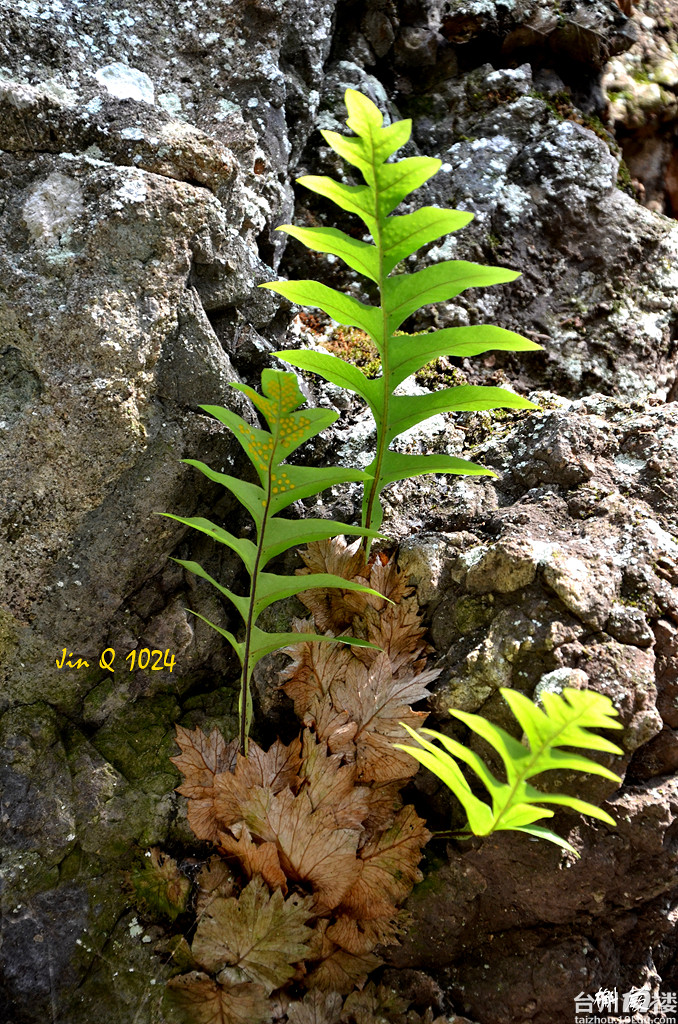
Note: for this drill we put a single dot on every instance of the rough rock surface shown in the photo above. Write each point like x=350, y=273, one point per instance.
x=641, y=86
x=147, y=154
x=564, y=577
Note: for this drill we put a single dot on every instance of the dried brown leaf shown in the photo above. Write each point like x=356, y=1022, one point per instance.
x=315, y=666
x=388, y=869
x=160, y=884
x=233, y=796
x=201, y=759
x=255, y=860
x=197, y=999
x=374, y=1003
x=333, y=726
x=215, y=879
x=311, y=848
x=320, y=946
x=336, y=556
x=389, y=580
x=330, y=608
x=331, y=788
x=342, y=972
x=260, y=933
x=362, y=936
x=331, y=614
x=273, y=770
x=316, y=1008
x=385, y=802
x=276, y=768
x=398, y=631
x=378, y=703
x=386, y=578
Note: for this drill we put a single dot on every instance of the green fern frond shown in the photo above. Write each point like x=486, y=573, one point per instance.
x=280, y=485
x=565, y=721
x=394, y=238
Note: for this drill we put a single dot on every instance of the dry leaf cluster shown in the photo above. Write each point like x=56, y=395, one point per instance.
x=316, y=827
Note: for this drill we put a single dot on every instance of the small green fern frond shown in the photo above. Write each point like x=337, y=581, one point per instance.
x=280, y=485
x=565, y=721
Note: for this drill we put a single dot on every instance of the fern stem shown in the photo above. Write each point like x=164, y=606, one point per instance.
x=381, y=434
x=246, y=669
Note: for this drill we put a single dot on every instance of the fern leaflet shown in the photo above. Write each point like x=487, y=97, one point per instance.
x=565, y=721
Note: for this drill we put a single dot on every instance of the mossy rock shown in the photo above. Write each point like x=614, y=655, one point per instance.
x=140, y=741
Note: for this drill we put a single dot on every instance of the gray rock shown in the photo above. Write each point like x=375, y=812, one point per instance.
x=587, y=588
x=508, y=565
x=147, y=156
x=629, y=625
x=642, y=105
x=560, y=679
x=138, y=190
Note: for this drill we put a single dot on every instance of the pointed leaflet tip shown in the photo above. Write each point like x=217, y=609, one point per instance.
x=363, y=113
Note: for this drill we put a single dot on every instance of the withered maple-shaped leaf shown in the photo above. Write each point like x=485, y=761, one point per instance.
x=385, y=802
x=387, y=580
x=334, y=969
x=273, y=770
x=333, y=726
x=215, y=879
x=261, y=933
x=398, y=631
x=201, y=759
x=378, y=703
x=375, y=1002
x=159, y=884
x=330, y=608
x=388, y=868
x=362, y=936
x=331, y=787
x=233, y=796
x=342, y=971
x=313, y=669
x=312, y=849
x=337, y=557
x=197, y=999
x=316, y=1008
x=254, y=860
